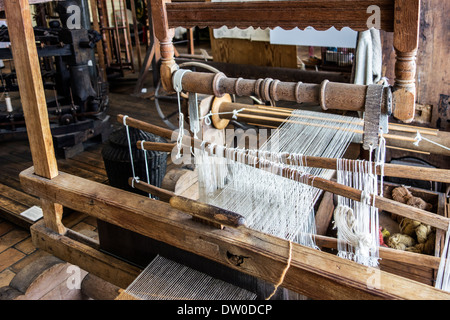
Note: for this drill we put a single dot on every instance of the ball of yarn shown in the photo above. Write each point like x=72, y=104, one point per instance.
x=408, y=226
x=400, y=241
x=401, y=194
x=419, y=203
x=422, y=233
x=427, y=247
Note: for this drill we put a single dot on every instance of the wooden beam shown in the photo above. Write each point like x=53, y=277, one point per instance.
x=320, y=14
x=23, y=46
x=87, y=257
x=314, y=273
x=34, y=105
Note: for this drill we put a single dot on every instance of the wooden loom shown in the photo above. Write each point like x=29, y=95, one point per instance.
x=313, y=273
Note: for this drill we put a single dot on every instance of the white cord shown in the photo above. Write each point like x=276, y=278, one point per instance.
x=146, y=166
x=178, y=87
x=420, y=138
x=208, y=116
x=129, y=149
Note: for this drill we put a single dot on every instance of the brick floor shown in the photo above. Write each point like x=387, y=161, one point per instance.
x=17, y=249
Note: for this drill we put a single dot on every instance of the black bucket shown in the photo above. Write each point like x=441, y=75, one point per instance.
x=116, y=156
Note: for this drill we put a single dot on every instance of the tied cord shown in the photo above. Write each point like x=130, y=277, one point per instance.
x=177, y=85
x=146, y=166
x=420, y=138
x=180, y=128
x=131, y=151
x=208, y=116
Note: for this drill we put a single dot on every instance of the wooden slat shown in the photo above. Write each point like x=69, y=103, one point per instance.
x=312, y=272
x=85, y=256
x=320, y=14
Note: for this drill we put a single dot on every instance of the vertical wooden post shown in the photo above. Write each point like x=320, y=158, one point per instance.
x=32, y=96
x=165, y=36
x=406, y=42
x=106, y=37
x=190, y=37
x=136, y=34
x=99, y=45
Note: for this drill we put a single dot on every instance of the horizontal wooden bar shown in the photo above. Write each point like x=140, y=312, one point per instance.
x=332, y=95
x=416, y=259
x=319, y=14
x=160, y=146
x=86, y=256
x=314, y=273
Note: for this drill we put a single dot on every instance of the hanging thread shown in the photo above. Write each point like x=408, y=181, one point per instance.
x=283, y=275
x=130, y=150
x=357, y=221
x=178, y=87
x=270, y=203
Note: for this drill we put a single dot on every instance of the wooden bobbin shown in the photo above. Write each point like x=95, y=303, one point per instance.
x=218, y=122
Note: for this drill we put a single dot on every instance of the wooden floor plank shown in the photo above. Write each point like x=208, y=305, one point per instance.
x=5, y=227
x=5, y=277
x=9, y=257
x=11, y=238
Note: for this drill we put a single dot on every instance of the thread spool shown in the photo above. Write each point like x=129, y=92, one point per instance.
x=9, y=107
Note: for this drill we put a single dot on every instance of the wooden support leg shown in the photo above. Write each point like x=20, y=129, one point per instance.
x=53, y=213
x=23, y=46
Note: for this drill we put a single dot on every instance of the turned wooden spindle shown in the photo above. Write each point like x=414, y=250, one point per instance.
x=406, y=42
x=165, y=35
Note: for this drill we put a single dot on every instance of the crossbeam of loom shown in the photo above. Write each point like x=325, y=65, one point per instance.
x=317, y=274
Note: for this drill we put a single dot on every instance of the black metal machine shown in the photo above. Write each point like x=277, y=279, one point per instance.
x=77, y=94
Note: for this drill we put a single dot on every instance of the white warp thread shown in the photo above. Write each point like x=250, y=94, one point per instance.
x=357, y=222
x=164, y=279
x=270, y=203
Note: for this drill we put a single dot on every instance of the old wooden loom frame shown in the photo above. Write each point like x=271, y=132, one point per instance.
x=314, y=273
